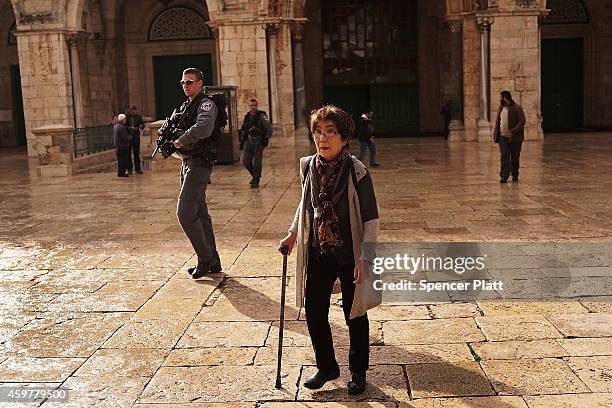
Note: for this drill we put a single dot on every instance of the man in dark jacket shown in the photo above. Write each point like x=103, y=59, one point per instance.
x=509, y=133
x=365, y=134
x=254, y=135
x=134, y=125
x=122, y=141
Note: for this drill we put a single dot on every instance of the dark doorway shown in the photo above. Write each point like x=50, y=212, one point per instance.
x=19, y=120
x=167, y=74
x=562, y=84
x=370, y=60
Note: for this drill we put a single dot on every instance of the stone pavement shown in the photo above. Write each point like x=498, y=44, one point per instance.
x=94, y=296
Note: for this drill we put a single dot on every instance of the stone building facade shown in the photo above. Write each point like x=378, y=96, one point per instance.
x=74, y=62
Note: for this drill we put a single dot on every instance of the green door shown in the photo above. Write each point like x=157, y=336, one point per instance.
x=167, y=72
x=562, y=83
x=396, y=107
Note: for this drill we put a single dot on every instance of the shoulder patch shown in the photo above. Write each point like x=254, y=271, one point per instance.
x=206, y=105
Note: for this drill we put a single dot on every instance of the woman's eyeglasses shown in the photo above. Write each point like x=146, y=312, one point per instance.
x=327, y=133
x=187, y=82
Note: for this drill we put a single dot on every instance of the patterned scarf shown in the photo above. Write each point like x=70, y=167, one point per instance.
x=325, y=192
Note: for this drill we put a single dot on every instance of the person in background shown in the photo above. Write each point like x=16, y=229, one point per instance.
x=134, y=125
x=121, y=141
x=365, y=135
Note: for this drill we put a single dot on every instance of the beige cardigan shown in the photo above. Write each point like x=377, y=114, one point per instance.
x=366, y=297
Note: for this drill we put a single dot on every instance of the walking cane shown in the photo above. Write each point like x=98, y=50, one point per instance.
x=284, y=250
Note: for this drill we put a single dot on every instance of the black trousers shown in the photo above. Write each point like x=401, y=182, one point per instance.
x=320, y=279
x=134, y=149
x=510, y=153
x=123, y=155
x=252, y=160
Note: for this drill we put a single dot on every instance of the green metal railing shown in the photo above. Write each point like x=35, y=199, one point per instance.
x=93, y=139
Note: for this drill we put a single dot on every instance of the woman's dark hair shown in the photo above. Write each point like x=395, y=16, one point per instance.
x=506, y=94
x=343, y=121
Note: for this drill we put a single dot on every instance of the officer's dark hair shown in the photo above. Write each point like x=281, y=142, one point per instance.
x=199, y=75
x=343, y=121
x=506, y=94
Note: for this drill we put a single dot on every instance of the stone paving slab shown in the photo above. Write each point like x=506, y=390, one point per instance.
x=219, y=384
x=532, y=377
x=448, y=380
x=587, y=346
x=33, y=369
x=210, y=356
x=459, y=330
x=570, y=401
x=55, y=337
x=590, y=325
x=131, y=363
x=148, y=333
x=595, y=372
x=509, y=308
x=524, y=327
x=469, y=402
x=518, y=349
x=225, y=334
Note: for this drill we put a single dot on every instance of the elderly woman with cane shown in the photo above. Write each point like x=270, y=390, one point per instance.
x=337, y=214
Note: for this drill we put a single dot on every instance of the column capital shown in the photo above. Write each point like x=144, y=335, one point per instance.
x=485, y=23
x=271, y=28
x=75, y=37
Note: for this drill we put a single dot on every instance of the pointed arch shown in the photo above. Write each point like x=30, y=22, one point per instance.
x=566, y=12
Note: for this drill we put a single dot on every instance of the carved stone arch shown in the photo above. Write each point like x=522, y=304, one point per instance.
x=566, y=12
x=178, y=23
x=74, y=13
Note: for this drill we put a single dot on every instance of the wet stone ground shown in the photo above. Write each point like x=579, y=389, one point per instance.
x=94, y=294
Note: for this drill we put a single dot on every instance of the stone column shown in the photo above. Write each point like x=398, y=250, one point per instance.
x=299, y=86
x=484, y=123
x=54, y=147
x=271, y=35
x=456, y=67
x=45, y=80
x=73, y=40
x=471, y=78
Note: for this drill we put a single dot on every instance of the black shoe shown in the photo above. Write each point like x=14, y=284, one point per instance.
x=321, y=377
x=357, y=383
x=514, y=178
x=199, y=271
x=503, y=180
x=255, y=185
x=139, y=172
x=216, y=268
x=122, y=175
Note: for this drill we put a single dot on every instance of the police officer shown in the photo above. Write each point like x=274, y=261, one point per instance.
x=255, y=132
x=197, y=118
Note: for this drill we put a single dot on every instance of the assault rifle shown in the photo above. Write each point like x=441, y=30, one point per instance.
x=167, y=134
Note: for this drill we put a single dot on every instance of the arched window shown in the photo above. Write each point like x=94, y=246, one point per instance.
x=12, y=39
x=178, y=23
x=566, y=12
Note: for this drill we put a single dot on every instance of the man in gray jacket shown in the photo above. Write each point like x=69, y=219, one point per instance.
x=121, y=140
x=197, y=122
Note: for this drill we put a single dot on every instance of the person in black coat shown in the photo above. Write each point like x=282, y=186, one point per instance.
x=122, y=141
